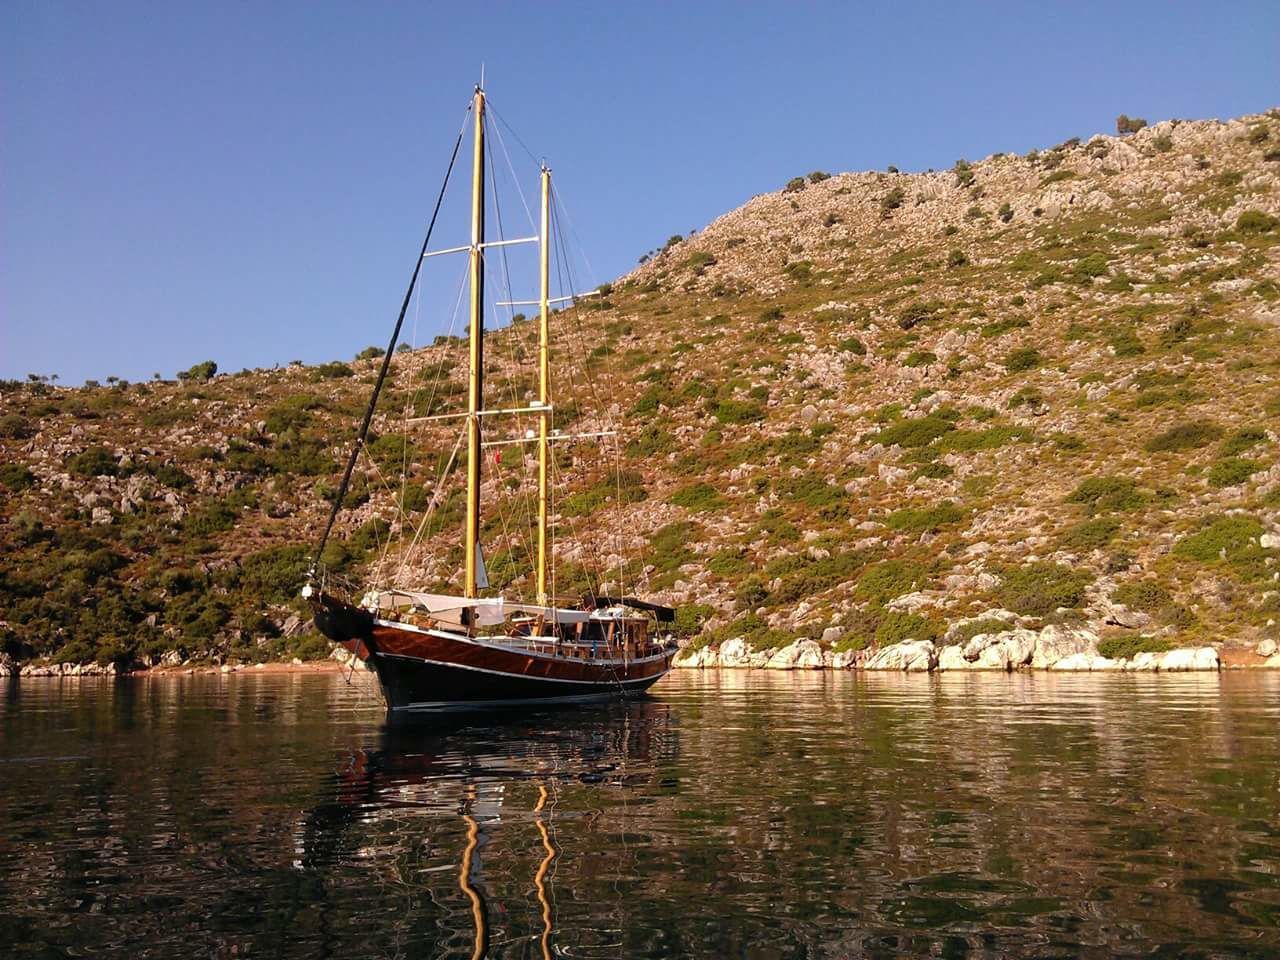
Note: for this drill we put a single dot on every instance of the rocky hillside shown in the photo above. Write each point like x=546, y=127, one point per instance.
x=1037, y=389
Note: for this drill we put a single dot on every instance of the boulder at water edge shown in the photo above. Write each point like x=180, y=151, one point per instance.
x=910, y=655
x=801, y=655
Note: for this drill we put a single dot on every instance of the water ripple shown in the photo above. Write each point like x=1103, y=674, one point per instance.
x=730, y=814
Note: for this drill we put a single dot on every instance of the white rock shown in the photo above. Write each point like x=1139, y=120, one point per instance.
x=831, y=635
x=891, y=474
x=1267, y=648
x=1084, y=662
x=952, y=658
x=695, y=659
x=848, y=659
x=1190, y=658
x=734, y=653
x=1055, y=642
x=1270, y=541
x=910, y=655
x=801, y=655
x=1008, y=650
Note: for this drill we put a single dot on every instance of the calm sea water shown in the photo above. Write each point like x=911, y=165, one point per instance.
x=728, y=815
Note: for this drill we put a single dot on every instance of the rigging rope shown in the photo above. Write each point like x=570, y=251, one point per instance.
x=386, y=362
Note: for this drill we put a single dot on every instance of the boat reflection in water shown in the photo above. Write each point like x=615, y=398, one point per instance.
x=459, y=819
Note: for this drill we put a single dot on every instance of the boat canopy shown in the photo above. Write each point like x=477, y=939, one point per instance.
x=487, y=611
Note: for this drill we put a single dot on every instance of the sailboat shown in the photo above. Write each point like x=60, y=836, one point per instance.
x=436, y=651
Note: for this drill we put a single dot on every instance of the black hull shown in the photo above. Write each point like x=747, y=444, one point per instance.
x=411, y=686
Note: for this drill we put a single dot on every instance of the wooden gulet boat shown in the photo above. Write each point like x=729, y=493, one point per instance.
x=437, y=651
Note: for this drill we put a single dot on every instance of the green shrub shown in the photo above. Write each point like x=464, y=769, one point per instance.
x=14, y=427
x=1162, y=143
x=214, y=517
x=276, y=574
x=414, y=498
x=730, y=563
x=920, y=358
x=914, y=433
x=649, y=401
x=691, y=618
x=391, y=449
x=998, y=327
x=890, y=578
x=1041, y=588
x=1185, y=436
x=1126, y=648
x=993, y=438
x=95, y=461
x=628, y=487
x=292, y=412
x=698, y=497
x=1233, y=471
x=799, y=270
x=1086, y=268
x=794, y=446
x=1255, y=221
x=651, y=441
x=1221, y=538
x=817, y=577
x=334, y=370
x=738, y=411
x=956, y=258
x=917, y=313
x=1025, y=358
x=794, y=185
x=1107, y=493
x=1242, y=440
x=853, y=345
x=892, y=201
x=1091, y=534
x=1125, y=343
x=812, y=491
x=698, y=262
x=16, y=477
x=370, y=353
x=974, y=628
x=170, y=475
x=1057, y=177
x=1145, y=595
x=895, y=627
x=925, y=519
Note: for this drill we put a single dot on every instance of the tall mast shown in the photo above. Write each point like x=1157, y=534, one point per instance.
x=544, y=380
x=475, y=399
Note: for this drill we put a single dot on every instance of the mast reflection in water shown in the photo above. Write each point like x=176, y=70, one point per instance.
x=475, y=802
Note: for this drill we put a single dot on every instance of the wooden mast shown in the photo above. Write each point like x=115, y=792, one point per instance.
x=544, y=381
x=475, y=391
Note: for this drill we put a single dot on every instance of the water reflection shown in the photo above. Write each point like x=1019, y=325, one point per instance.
x=733, y=814
x=451, y=803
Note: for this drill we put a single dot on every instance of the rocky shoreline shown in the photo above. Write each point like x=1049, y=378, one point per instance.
x=1053, y=647
x=9, y=668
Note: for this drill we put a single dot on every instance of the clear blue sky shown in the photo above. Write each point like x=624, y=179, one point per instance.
x=249, y=182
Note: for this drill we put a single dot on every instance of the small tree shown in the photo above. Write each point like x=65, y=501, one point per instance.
x=1126, y=124
x=199, y=372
